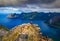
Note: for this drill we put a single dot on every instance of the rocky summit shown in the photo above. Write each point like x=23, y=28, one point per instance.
x=25, y=32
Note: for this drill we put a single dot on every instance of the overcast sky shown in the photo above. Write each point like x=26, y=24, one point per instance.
x=40, y=3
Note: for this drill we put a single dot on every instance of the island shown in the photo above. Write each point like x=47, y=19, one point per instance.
x=13, y=15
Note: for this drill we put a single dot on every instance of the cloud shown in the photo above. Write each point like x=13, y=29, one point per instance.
x=56, y=4
x=47, y=1
x=41, y=3
x=8, y=10
x=11, y=2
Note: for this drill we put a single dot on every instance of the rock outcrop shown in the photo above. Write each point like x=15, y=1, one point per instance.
x=25, y=32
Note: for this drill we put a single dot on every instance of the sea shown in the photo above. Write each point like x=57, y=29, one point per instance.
x=50, y=31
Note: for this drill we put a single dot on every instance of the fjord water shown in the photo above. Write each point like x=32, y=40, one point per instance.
x=52, y=32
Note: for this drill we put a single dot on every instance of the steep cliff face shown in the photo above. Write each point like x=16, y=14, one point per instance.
x=24, y=32
x=55, y=21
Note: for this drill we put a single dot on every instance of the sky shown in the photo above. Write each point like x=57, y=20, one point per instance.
x=18, y=6
x=24, y=3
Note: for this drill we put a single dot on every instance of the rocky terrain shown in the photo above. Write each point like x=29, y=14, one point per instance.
x=3, y=31
x=55, y=21
x=25, y=32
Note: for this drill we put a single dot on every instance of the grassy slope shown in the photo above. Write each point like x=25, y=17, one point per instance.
x=3, y=27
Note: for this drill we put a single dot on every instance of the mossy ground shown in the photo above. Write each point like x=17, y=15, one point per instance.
x=4, y=28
